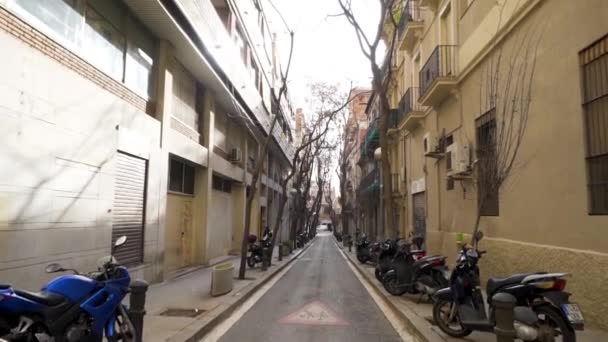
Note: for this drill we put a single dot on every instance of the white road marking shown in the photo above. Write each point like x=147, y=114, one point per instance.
x=219, y=331
x=388, y=313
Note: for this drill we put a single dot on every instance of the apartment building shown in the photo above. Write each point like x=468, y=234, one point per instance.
x=141, y=118
x=368, y=194
x=355, y=130
x=453, y=64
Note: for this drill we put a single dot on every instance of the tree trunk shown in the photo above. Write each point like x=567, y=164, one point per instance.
x=249, y=200
x=388, y=218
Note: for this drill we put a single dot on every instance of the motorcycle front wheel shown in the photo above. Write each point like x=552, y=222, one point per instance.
x=553, y=325
x=125, y=331
x=378, y=273
x=445, y=315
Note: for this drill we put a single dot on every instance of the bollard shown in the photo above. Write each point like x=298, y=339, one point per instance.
x=504, y=304
x=265, y=258
x=137, y=306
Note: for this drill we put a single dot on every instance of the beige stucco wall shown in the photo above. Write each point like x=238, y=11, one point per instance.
x=60, y=135
x=543, y=222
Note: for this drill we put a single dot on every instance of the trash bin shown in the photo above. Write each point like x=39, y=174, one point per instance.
x=221, y=279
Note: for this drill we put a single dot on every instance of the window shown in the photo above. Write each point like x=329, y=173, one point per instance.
x=103, y=43
x=487, y=191
x=222, y=184
x=184, y=96
x=101, y=32
x=594, y=63
x=181, y=177
x=450, y=184
x=62, y=17
x=449, y=140
x=241, y=43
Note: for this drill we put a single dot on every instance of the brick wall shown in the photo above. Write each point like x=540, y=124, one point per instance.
x=29, y=35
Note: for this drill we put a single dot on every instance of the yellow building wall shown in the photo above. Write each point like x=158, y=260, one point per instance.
x=544, y=222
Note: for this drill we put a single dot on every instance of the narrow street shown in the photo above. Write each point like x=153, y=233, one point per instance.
x=318, y=299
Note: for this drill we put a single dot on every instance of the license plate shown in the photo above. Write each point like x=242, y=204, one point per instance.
x=573, y=313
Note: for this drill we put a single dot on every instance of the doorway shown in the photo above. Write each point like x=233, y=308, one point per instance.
x=419, y=212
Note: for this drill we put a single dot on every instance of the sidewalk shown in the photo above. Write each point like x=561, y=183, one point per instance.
x=189, y=294
x=418, y=317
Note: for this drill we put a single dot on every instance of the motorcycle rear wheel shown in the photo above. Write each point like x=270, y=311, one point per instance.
x=362, y=258
x=391, y=285
x=452, y=327
x=251, y=261
x=551, y=319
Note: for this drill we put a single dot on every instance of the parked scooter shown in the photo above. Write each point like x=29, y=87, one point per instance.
x=71, y=308
x=364, y=249
x=413, y=272
x=256, y=248
x=385, y=258
x=387, y=254
x=543, y=311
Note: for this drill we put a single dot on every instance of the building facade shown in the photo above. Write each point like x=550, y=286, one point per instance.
x=136, y=118
x=355, y=130
x=455, y=60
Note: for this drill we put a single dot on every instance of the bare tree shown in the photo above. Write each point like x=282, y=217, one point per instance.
x=390, y=11
x=349, y=134
x=329, y=104
x=505, y=96
x=258, y=168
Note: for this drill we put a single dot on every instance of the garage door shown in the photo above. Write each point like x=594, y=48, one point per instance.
x=129, y=204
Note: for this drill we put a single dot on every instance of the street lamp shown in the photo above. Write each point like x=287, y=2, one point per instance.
x=378, y=153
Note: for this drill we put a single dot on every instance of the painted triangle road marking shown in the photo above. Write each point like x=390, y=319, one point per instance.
x=315, y=313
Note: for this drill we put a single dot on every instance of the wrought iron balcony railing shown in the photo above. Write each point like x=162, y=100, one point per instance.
x=441, y=63
x=407, y=104
x=410, y=13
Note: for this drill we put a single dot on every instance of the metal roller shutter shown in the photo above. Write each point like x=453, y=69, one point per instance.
x=129, y=208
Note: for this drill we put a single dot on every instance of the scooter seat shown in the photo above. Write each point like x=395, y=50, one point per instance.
x=5, y=286
x=496, y=283
x=42, y=297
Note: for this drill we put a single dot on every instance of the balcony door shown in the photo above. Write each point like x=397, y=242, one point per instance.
x=446, y=37
x=446, y=27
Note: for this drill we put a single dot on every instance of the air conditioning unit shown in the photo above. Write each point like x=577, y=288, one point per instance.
x=236, y=155
x=458, y=159
x=430, y=143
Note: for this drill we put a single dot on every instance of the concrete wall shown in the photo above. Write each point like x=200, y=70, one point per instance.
x=60, y=135
x=544, y=222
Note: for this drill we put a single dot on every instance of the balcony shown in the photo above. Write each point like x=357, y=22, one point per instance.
x=410, y=113
x=369, y=185
x=371, y=142
x=438, y=75
x=411, y=25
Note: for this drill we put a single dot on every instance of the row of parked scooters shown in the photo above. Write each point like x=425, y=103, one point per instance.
x=542, y=312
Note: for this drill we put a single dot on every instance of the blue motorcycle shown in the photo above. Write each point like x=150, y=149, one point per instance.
x=71, y=308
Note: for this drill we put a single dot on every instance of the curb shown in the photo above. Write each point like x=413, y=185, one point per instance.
x=201, y=327
x=420, y=329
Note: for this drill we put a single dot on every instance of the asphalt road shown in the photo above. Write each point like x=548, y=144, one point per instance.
x=318, y=299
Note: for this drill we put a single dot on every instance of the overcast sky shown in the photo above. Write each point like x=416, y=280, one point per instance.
x=326, y=48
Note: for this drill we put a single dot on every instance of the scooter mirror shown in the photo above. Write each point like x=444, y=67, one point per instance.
x=53, y=268
x=120, y=241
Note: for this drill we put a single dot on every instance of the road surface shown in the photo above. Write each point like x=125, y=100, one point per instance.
x=318, y=299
